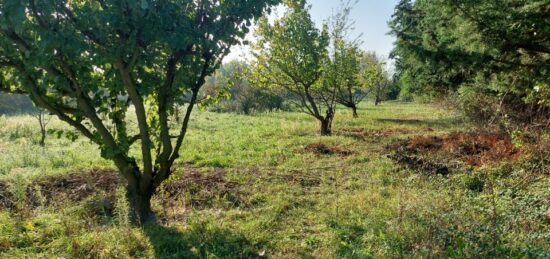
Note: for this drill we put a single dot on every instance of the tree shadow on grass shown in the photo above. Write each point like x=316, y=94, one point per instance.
x=200, y=241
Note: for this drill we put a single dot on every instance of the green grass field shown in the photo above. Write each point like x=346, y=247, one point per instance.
x=253, y=189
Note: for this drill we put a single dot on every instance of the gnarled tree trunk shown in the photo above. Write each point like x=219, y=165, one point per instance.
x=326, y=123
x=139, y=198
x=325, y=128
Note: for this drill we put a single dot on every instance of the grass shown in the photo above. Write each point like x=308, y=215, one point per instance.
x=285, y=201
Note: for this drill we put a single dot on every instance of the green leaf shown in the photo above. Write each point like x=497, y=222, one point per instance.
x=144, y=4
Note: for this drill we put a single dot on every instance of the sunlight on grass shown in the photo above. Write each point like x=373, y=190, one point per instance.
x=272, y=196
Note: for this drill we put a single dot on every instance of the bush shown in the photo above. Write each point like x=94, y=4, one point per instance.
x=477, y=106
x=247, y=100
x=238, y=95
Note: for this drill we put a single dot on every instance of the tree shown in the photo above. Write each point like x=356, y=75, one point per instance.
x=87, y=62
x=488, y=53
x=375, y=76
x=43, y=121
x=290, y=55
x=343, y=65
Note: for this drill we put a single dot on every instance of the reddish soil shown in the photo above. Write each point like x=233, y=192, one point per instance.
x=473, y=149
x=323, y=149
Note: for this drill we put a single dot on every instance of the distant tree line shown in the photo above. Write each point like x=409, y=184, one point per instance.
x=11, y=104
x=348, y=76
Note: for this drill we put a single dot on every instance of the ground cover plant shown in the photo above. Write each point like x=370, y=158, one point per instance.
x=282, y=191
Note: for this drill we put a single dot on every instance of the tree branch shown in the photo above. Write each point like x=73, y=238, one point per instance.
x=141, y=117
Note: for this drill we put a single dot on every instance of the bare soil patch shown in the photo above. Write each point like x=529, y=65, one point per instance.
x=323, y=149
x=74, y=187
x=437, y=153
x=201, y=189
x=421, y=164
x=195, y=188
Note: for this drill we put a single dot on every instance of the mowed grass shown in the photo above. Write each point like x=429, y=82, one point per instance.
x=284, y=201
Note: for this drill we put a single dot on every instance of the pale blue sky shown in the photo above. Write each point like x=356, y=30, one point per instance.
x=371, y=19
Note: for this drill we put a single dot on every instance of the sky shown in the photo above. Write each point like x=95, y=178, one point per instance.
x=371, y=21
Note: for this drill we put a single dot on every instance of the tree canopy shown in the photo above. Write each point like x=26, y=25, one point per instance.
x=343, y=65
x=291, y=55
x=498, y=50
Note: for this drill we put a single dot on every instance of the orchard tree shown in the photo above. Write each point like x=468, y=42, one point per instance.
x=374, y=76
x=97, y=64
x=290, y=55
x=345, y=77
x=343, y=66
x=43, y=120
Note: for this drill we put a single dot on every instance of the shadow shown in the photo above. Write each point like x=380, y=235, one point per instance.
x=200, y=240
x=440, y=123
x=350, y=238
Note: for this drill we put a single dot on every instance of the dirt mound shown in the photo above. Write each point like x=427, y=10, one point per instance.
x=200, y=189
x=473, y=149
x=363, y=134
x=73, y=187
x=323, y=149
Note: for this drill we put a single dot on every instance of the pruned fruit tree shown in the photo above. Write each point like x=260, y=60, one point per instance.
x=97, y=64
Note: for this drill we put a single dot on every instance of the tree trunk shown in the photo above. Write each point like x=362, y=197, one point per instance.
x=354, y=109
x=325, y=128
x=42, y=122
x=326, y=123
x=377, y=100
x=140, y=204
x=42, y=137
